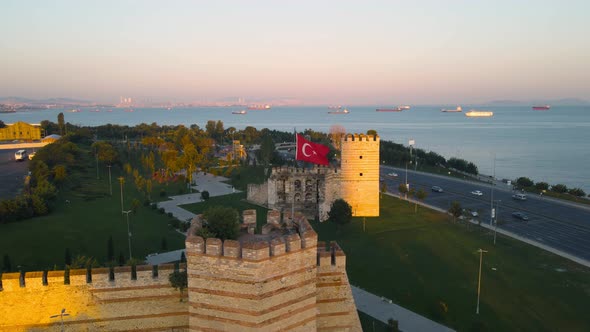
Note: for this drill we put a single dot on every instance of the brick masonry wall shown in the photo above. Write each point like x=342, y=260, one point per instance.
x=122, y=304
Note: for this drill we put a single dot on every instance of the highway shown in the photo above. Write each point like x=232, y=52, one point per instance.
x=559, y=224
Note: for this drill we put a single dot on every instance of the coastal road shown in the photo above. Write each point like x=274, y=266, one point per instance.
x=558, y=224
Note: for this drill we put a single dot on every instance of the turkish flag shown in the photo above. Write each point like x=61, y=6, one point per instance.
x=311, y=152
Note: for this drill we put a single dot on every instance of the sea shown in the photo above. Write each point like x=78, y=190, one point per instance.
x=551, y=146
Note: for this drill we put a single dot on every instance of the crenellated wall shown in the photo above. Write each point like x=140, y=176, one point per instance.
x=268, y=284
x=94, y=301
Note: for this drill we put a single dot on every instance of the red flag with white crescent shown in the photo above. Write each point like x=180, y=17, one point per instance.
x=311, y=152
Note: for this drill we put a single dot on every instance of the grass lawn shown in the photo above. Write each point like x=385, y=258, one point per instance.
x=428, y=264
x=235, y=201
x=85, y=224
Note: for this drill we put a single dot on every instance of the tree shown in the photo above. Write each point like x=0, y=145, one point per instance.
x=524, y=182
x=61, y=123
x=2, y=124
x=110, y=250
x=223, y=222
x=578, y=192
x=559, y=188
x=59, y=173
x=372, y=132
x=106, y=152
x=420, y=195
x=135, y=204
x=455, y=210
x=178, y=280
x=340, y=212
x=267, y=148
x=205, y=195
x=542, y=186
x=336, y=134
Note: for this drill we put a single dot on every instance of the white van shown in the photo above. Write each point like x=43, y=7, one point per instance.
x=20, y=155
x=520, y=197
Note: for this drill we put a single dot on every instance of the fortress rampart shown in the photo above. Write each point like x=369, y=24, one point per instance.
x=101, y=299
x=282, y=280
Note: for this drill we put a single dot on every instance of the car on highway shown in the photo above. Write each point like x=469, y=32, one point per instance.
x=437, y=189
x=393, y=175
x=519, y=197
x=520, y=215
x=474, y=214
x=477, y=193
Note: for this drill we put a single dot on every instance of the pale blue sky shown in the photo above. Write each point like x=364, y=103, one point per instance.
x=345, y=52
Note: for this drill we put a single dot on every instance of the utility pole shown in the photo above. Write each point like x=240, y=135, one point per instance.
x=128, y=232
x=497, y=212
x=121, y=181
x=481, y=251
x=492, y=195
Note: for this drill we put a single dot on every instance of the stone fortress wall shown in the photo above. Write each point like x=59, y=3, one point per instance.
x=282, y=280
x=95, y=300
x=313, y=190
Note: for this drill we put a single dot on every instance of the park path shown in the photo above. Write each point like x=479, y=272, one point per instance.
x=383, y=309
x=204, y=182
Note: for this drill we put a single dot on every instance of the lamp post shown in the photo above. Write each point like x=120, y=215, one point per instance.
x=128, y=232
x=121, y=181
x=61, y=315
x=497, y=212
x=492, y=195
x=481, y=251
x=110, y=182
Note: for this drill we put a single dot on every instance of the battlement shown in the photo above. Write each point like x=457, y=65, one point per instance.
x=316, y=169
x=360, y=138
x=97, y=277
x=332, y=256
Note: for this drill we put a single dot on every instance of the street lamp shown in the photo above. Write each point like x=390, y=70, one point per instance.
x=61, y=315
x=496, y=219
x=492, y=195
x=481, y=251
x=110, y=182
x=128, y=232
x=121, y=181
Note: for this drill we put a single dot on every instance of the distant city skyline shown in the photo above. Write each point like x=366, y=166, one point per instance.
x=328, y=52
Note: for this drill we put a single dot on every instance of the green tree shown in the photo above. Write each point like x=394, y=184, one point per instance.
x=2, y=124
x=267, y=149
x=542, y=186
x=372, y=132
x=524, y=182
x=178, y=280
x=61, y=123
x=135, y=204
x=204, y=195
x=578, y=192
x=420, y=195
x=340, y=212
x=455, y=210
x=106, y=152
x=59, y=173
x=559, y=188
x=223, y=222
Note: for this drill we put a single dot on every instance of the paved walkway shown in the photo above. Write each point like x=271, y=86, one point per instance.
x=204, y=182
x=383, y=309
x=166, y=257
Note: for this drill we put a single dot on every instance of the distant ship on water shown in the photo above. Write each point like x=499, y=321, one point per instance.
x=404, y=107
x=458, y=109
x=397, y=109
x=478, y=114
x=334, y=107
x=541, y=108
x=259, y=107
x=239, y=112
x=344, y=111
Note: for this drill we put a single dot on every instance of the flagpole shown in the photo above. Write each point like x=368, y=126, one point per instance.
x=293, y=205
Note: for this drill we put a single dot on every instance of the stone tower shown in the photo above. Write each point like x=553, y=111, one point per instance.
x=360, y=174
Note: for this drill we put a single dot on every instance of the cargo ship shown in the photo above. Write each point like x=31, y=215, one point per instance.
x=458, y=109
x=541, y=108
x=344, y=111
x=259, y=107
x=239, y=112
x=404, y=107
x=397, y=109
x=479, y=114
x=334, y=107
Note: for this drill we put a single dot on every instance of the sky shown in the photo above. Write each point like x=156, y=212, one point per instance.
x=320, y=52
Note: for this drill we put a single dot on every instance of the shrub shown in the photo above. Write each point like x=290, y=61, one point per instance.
x=578, y=192
x=161, y=210
x=170, y=214
x=146, y=202
x=340, y=212
x=205, y=195
x=175, y=223
x=559, y=188
x=223, y=222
